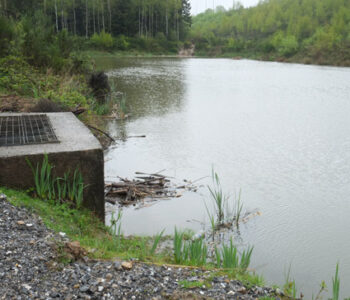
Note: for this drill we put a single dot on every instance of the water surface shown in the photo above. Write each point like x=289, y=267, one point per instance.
x=279, y=132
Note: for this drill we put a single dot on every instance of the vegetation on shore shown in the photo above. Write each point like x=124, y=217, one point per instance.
x=308, y=31
x=103, y=242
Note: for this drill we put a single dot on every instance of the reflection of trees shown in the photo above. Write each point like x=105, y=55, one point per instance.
x=152, y=86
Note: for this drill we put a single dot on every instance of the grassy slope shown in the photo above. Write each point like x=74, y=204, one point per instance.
x=82, y=226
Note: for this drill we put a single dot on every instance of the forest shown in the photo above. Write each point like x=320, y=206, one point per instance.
x=46, y=45
x=308, y=31
x=146, y=25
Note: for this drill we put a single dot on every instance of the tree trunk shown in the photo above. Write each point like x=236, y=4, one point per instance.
x=75, y=19
x=98, y=18
x=109, y=15
x=103, y=16
x=56, y=14
x=86, y=19
x=93, y=16
x=139, y=20
x=166, y=20
x=62, y=16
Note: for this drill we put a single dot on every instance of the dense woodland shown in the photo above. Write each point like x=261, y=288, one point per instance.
x=315, y=31
x=146, y=25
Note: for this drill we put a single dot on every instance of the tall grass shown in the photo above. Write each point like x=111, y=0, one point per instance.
x=193, y=252
x=44, y=181
x=218, y=196
x=156, y=241
x=336, y=284
x=116, y=228
x=228, y=257
x=61, y=189
x=225, y=212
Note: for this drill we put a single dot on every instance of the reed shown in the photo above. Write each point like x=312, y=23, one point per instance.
x=48, y=187
x=225, y=212
x=193, y=252
x=178, y=246
x=336, y=284
x=229, y=258
x=156, y=241
x=44, y=183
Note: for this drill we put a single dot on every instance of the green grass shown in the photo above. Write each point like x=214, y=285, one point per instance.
x=82, y=226
x=335, y=284
x=101, y=241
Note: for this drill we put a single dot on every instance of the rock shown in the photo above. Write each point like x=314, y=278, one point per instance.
x=29, y=269
x=75, y=250
x=118, y=266
x=3, y=197
x=109, y=276
x=279, y=292
x=100, y=86
x=127, y=265
x=20, y=222
x=84, y=288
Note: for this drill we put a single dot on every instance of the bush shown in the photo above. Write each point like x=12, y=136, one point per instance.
x=122, y=43
x=289, y=46
x=102, y=41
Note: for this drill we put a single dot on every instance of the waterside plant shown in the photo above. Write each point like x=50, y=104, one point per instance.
x=225, y=213
x=60, y=189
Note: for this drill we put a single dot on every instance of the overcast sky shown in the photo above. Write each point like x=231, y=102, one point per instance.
x=199, y=6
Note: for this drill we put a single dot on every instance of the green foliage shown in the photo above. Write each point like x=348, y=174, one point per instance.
x=102, y=41
x=226, y=213
x=228, y=257
x=156, y=241
x=335, y=284
x=51, y=188
x=193, y=252
x=316, y=29
x=7, y=33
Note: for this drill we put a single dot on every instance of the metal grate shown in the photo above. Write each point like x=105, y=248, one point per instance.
x=26, y=130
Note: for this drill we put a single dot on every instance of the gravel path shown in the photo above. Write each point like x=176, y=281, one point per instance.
x=28, y=270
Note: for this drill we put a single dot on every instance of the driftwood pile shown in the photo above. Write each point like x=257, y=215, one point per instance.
x=127, y=192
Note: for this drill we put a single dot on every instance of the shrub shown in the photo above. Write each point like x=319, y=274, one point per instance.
x=102, y=41
x=289, y=46
x=122, y=43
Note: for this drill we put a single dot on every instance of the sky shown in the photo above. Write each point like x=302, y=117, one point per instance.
x=199, y=6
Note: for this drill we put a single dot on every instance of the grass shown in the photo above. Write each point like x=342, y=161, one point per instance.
x=81, y=225
x=224, y=212
x=101, y=242
x=228, y=257
x=48, y=187
x=336, y=284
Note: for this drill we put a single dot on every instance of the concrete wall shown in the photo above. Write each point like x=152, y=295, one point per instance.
x=16, y=173
x=77, y=148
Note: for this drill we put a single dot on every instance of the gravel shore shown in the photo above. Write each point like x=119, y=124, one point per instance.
x=29, y=270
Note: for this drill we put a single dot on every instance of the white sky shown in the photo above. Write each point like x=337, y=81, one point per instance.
x=199, y=6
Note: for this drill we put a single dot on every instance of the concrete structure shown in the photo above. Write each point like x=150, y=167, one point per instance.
x=77, y=148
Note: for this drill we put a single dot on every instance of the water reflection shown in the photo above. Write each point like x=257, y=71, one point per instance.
x=151, y=86
x=280, y=132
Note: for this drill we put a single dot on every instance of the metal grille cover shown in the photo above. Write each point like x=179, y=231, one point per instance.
x=26, y=130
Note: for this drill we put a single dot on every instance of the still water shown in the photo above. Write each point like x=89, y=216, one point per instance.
x=279, y=132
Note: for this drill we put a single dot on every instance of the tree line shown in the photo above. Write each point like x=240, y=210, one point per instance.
x=143, y=18
x=315, y=29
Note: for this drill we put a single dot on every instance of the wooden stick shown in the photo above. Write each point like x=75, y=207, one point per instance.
x=101, y=131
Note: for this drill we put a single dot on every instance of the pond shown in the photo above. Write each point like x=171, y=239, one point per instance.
x=280, y=133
